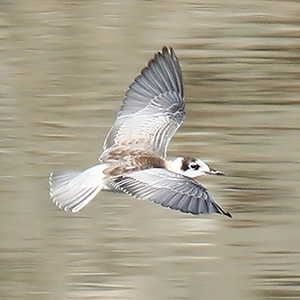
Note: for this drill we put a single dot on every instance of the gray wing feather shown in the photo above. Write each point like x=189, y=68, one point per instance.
x=153, y=107
x=168, y=189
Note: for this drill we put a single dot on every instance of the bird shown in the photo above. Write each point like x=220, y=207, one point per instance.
x=134, y=158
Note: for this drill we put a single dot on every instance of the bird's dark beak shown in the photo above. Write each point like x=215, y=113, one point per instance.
x=215, y=172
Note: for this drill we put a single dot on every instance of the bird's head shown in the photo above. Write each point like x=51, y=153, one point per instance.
x=191, y=167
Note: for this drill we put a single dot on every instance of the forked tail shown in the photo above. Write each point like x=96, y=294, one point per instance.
x=74, y=190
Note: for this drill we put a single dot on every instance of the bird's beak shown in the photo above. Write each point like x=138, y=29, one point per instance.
x=215, y=172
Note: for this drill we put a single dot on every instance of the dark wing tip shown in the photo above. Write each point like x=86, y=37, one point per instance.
x=227, y=214
x=221, y=211
x=167, y=51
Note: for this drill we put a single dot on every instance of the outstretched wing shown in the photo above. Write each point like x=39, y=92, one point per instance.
x=153, y=107
x=168, y=189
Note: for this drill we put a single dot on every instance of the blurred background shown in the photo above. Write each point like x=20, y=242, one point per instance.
x=64, y=68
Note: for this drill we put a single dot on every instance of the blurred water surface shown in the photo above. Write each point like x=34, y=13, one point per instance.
x=64, y=68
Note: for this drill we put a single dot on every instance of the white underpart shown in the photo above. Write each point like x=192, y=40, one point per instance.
x=175, y=165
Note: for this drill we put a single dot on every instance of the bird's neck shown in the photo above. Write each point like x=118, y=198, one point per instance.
x=174, y=165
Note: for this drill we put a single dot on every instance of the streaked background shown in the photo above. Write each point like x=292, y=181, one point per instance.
x=64, y=68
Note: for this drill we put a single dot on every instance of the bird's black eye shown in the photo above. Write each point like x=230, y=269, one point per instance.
x=194, y=166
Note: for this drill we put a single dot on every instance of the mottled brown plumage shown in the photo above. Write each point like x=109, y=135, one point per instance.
x=124, y=160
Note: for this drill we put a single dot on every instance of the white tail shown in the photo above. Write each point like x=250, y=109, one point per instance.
x=74, y=190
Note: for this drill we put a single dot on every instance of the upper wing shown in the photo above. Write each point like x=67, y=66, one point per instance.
x=153, y=107
x=169, y=189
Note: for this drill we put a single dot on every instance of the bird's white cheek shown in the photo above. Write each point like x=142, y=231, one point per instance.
x=199, y=174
